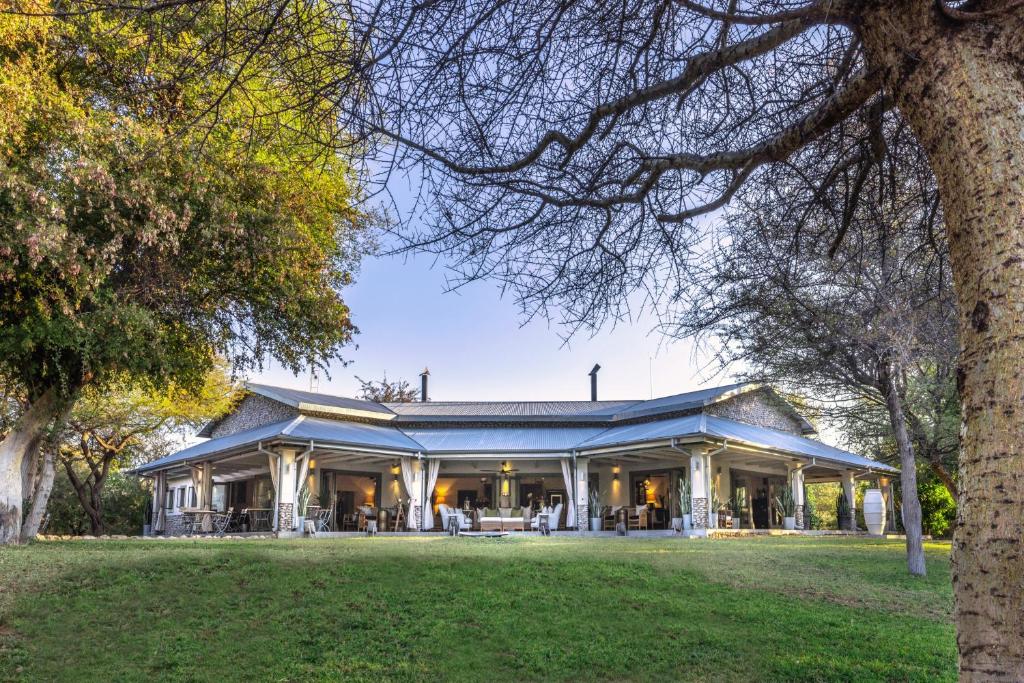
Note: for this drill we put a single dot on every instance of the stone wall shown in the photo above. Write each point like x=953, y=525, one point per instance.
x=285, y=520
x=799, y=515
x=253, y=411
x=762, y=408
x=699, y=517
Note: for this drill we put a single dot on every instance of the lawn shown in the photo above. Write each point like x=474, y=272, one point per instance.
x=438, y=608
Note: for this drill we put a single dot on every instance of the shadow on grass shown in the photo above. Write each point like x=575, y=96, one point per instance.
x=450, y=609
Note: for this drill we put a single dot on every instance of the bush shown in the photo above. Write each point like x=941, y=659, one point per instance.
x=938, y=509
x=126, y=499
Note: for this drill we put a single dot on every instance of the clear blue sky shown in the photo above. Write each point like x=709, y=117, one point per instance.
x=476, y=348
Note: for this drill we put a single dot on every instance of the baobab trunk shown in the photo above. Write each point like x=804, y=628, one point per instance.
x=959, y=84
x=15, y=447
x=908, y=472
x=41, y=495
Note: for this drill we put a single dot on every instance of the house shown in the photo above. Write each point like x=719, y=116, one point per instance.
x=738, y=446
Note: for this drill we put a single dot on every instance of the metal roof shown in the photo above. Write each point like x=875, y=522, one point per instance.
x=783, y=441
x=722, y=428
x=538, y=437
x=500, y=439
x=312, y=401
x=449, y=410
x=302, y=428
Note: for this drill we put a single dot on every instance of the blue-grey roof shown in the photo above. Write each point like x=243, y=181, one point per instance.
x=534, y=433
x=309, y=400
x=500, y=439
x=302, y=428
x=720, y=427
x=783, y=441
x=476, y=411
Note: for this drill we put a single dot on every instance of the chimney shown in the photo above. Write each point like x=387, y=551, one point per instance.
x=423, y=383
x=593, y=382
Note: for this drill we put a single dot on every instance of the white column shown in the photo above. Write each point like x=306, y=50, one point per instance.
x=851, y=499
x=796, y=482
x=583, y=511
x=286, y=491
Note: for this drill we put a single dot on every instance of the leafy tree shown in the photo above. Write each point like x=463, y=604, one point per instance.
x=386, y=391
x=125, y=425
x=126, y=501
x=133, y=244
x=938, y=507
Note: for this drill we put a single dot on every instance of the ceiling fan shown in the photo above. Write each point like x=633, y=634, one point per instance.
x=506, y=468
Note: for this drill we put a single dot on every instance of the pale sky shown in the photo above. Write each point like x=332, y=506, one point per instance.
x=476, y=348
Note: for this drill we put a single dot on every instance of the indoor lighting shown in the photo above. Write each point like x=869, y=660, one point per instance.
x=395, y=469
x=615, y=472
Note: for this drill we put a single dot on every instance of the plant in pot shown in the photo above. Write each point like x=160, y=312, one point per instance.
x=737, y=508
x=685, y=502
x=302, y=505
x=785, y=504
x=842, y=511
x=595, y=510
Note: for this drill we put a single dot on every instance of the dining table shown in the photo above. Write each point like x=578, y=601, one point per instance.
x=259, y=518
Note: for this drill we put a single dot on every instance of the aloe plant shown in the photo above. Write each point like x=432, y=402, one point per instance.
x=785, y=503
x=303, y=501
x=595, y=503
x=685, y=502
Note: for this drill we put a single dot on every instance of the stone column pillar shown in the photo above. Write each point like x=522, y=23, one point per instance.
x=797, y=483
x=850, y=523
x=699, y=481
x=206, y=495
x=286, y=491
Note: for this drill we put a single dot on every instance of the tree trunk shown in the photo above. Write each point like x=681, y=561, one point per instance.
x=959, y=85
x=911, y=506
x=945, y=477
x=14, y=448
x=40, y=497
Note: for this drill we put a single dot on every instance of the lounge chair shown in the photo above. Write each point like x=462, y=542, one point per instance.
x=553, y=518
x=449, y=514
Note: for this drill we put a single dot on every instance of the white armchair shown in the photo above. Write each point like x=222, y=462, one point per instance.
x=447, y=513
x=553, y=518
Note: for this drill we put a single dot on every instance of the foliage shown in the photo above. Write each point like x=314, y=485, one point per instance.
x=125, y=425
x=126, y=500
x=740, y=610
x=595, y=502
x=822, y=497
x=386, y=391
x=785, y=504
x=302, y=504
x=135, y=243
x=842, y=510
x=937, y=507
x=685, y=499
x=811, y=519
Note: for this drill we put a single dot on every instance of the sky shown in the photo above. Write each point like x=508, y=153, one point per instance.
x=477, y=347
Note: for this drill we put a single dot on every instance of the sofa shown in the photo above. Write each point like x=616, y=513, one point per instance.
x=504, y=519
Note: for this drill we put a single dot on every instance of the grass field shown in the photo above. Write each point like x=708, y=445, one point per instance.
x=438, y=608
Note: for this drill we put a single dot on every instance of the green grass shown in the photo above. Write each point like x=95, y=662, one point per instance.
x=438, y=608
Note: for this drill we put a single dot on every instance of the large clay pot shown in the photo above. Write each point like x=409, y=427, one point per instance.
x=874, y=511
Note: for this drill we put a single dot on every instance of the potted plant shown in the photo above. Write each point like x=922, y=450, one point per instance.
x=785, y=504
x=842, y=511
x=685, y=503
x=737, y=509
x=302, y=505
x=595, y=510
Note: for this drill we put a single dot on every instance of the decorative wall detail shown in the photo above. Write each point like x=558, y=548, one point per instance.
x=760, y=408
x=700, y=513
x=285, y=521
x=254, y=411
x=799, y=514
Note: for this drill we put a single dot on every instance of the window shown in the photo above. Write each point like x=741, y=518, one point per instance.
x=192, y=496
x=168, y=498
x=181, y=497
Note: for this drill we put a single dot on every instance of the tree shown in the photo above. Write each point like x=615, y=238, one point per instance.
x=857, y=318
x=126, y=425
x=136, y=245
x=385, y=391
x=566, y=149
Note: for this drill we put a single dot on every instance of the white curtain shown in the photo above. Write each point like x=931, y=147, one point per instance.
x=160, y=498
x=197, y=485
x=570, y=510
x=272, y=464
x=411, y=481
x=432, y=469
